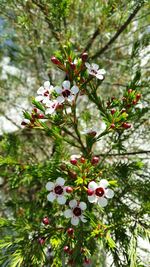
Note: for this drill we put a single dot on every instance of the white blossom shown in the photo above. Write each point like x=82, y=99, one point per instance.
x=76, y=212
x=65, y=92
x=94, y=70
x=57, y=191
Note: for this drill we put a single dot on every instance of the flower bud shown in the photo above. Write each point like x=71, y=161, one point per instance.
x=95, y=160
x=46, y=220
x=126, y=125
x=69, y=189
x=55, y=60
x=84, y=56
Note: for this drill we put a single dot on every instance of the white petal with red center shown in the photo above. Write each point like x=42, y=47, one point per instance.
x=39, y=98
x=103, y=183
x=87, y=65
x=74, y=89
x=58, y=90
x=47, y=85
x=82, y=206
x=66, y=85
x=109, y=193
x=92, y=199
x=83, y=219
x=51, y=197
x=94, y=66
x=74, y=220
x=68, y=213
x=99, y=76
x=60, y=181
x=50, y=186
x=70, y=98
x=60, y=99
x=61, y=200
x=92, y=185
x=102, y=201
x=41, y=90
x=73, y=203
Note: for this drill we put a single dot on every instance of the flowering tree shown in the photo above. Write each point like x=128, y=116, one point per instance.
x=86, y=203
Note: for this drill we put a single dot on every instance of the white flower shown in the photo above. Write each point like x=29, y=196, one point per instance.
x=44, y=92
x=66, y=93
x=76, y=212
x=94, y=70
x=51, y=106
x=57, y=191
x=100, y=192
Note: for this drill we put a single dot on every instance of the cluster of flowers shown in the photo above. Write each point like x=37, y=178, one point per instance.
x=97, y=193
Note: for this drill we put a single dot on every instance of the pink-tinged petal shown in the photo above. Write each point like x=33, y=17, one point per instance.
x=47, y=85
x=68, y=213
x=70, y=98
x=58, y=90
x=41, y=90
x=101, y=71
x=83, y=219
x=94, y=66
x=51, y=197
x=109, y=193
x=99, y=76
x=87, y=65
x=74, y=89
x=66, y=85
x=92, y=199
x=39, y=98
x=45, y=100
x=102, y=201
x=60, y=99
x=50, y=186
x=103, y=183
x=61, y=200
x=60, y=181
x=92, y=185
x=73, y=203
x=51, y=89
x=82, y=205
x=74, y=220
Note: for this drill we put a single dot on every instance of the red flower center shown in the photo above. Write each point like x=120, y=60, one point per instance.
x=94, y=72
x=99, y=192
x=58, y=190
x=66, y=93
x=46, y=93
x=77, y=211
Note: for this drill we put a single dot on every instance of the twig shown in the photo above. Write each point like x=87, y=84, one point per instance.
x=121, y=29
x=126, y=153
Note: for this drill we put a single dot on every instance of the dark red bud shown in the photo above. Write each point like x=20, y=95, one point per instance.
x=87, y=261
x=90, y=192
x=113, y=110
x=138, y=96
x=66, y=249
x=69, y=189
x=130, y=91
x=40, y=116
x=112, y=126
x=72, y=65
x=82, y=160
x=126, y=125
x=134, y=102
x=70, y=231
x=55, y=60
x=73, y=161
x=95, y=160
x=46, y=220
x=84, y=56
x=35, y=110
x=41, y=240
x=72, y=174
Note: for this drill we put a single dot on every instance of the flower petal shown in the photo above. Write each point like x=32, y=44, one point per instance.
x=49, y=111
x=60, y=99
x=60, y=181
x=94, y=66
x=39, y=98
x=103, y=183
x=74, y=89
x=51, y=197
x=82, y=205
x=109, y=193
x=68, y=213
x=74, y=220
x=92, y=185
x=102, y=201
x=58, y=90
x=50, y=186
x=73, y=203
x=99, y=76
x=101, y=71
x=87, y=65
x=70, y=98
x=41, y=90
x=83, y=219
x=92, y=199
x=61, y=200
x=47, y=85
x=66, y=85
